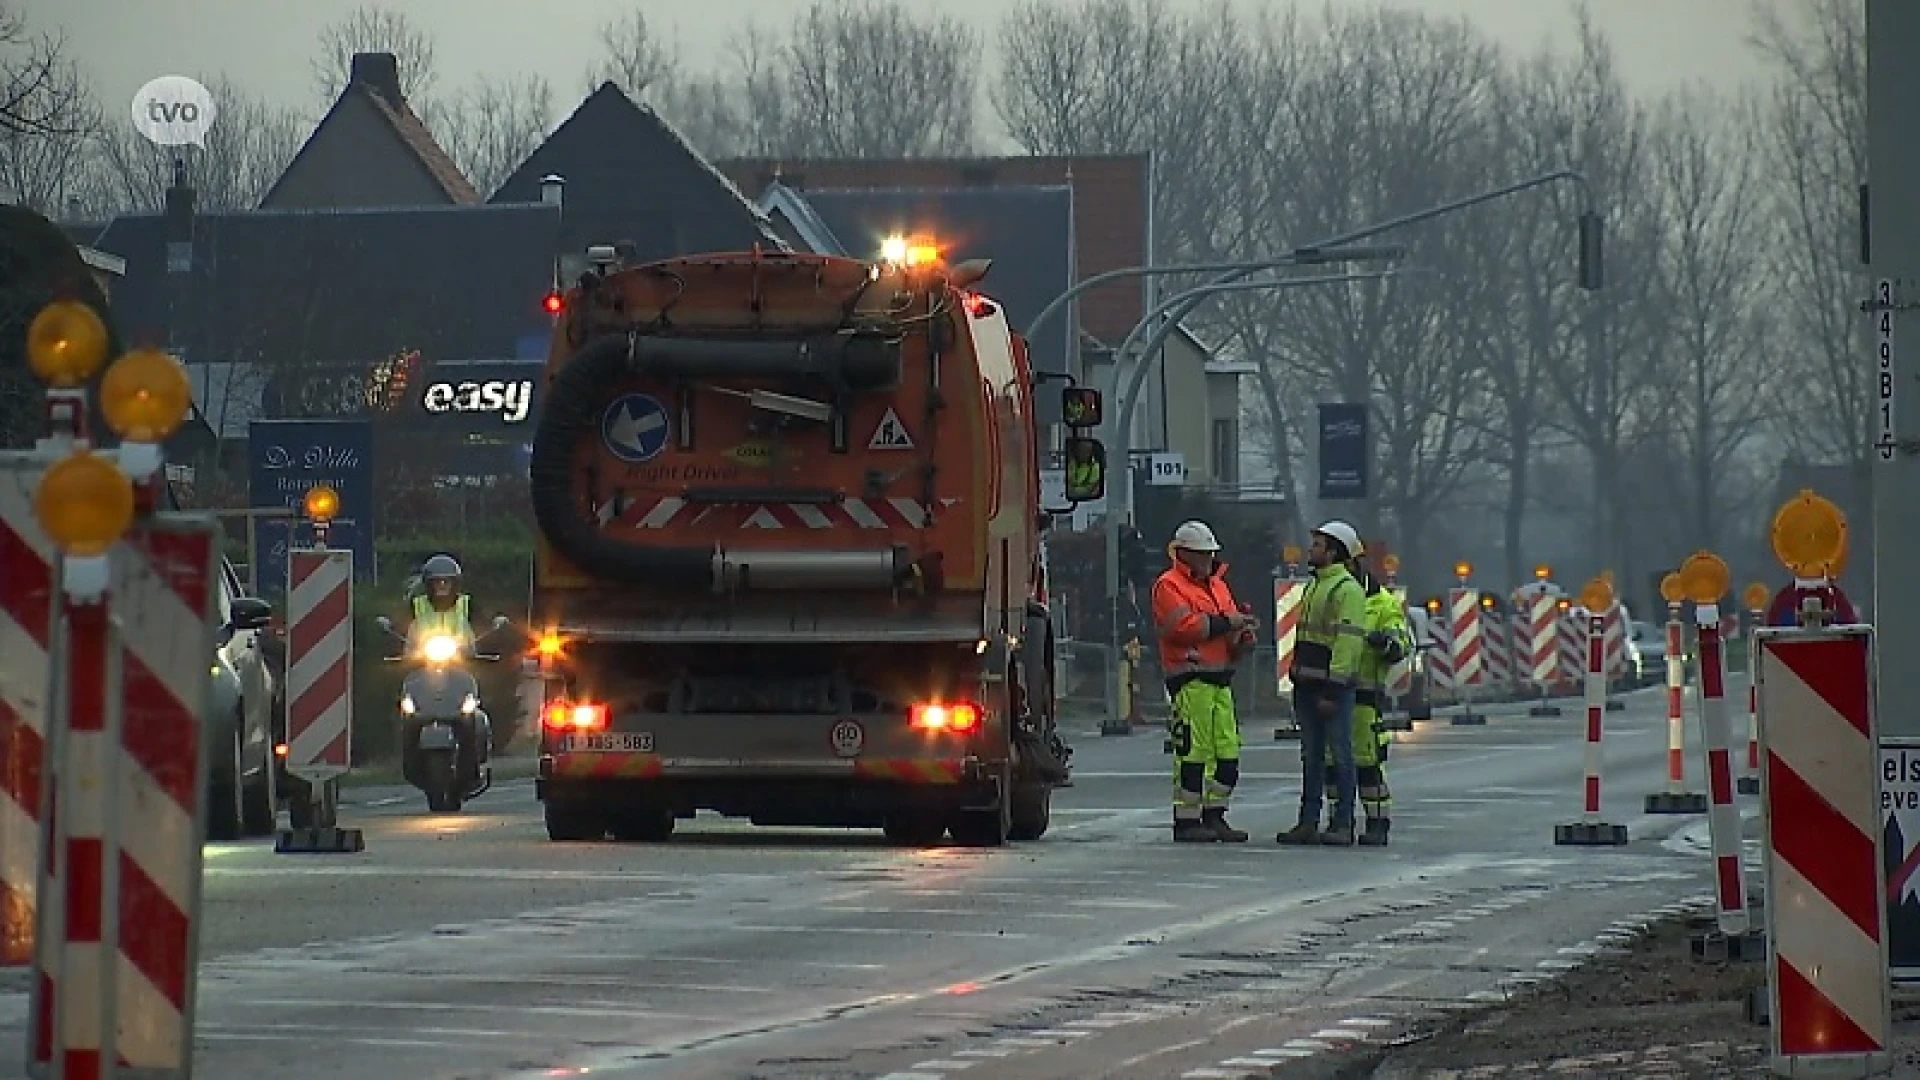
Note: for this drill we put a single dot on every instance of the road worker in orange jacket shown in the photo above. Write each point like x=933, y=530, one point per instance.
x=1203, y=634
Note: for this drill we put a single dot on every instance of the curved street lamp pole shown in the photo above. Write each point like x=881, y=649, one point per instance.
x=1114, y=515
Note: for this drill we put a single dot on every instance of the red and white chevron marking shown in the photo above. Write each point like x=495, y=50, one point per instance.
x=1440, y=658
x=26, y=620
x=1572, y=631
x=130, y=802
x=1496, y=667
x=1723, y=814
x=1758, y=619
x=1616, y=620
x=319, y=662
x=1544, y=646
x=672, y=510
x=1826, y=913
x=1464, y=640
x=1287, y=594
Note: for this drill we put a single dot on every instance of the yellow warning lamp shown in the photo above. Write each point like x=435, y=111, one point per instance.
x=1756, y=596
x=1433, y=604
x=549, y=645
x=1542, y=572
x=84, y=504
x=1290, y=554
x=1809, y=536
x=1596, y=595
x=1486, y=600
x=1704, y=577
x=1671, y=590
x=146, y=396
x=66, y=343
x=321, y=504
x=1463, y=569
x=1391, y=564
x=1565, y=603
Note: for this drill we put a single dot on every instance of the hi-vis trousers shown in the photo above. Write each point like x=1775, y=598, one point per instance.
x=1369, y=758
x=1206, y=749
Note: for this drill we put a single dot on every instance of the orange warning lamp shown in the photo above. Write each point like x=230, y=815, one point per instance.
x=84, y=503
x=1433, y=604
x=66, y=343
x=1671, y=590
x=1596, y=595
x=1704, y=577
x=549, y=645
x=1565, y=603
x=1463, y=569
x=1391, y=564
x=321, y=504
x=1809, y=536
x=1291, y=553
x=1542, y=572
x=1486, y=600
x=146, y=396
x=1756, y=596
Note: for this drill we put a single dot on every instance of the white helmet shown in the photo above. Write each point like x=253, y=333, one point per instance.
x=1195, y=536
x=1348, y=536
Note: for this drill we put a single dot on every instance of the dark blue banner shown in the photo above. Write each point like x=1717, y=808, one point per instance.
x=1343, y=451
x=286, y=459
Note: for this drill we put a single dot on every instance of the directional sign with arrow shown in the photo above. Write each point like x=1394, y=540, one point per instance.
x=635, y=428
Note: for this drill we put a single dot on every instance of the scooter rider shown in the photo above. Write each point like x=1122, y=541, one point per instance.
x=442, y=607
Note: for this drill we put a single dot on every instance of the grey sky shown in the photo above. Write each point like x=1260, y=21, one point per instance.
x=266, y=45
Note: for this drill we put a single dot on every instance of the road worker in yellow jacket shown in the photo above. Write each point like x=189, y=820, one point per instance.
x=1388, y=641
x=1327, y=655
x=1203, y=634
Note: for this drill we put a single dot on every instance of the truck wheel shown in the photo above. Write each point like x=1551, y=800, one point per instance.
x=225, y=821
x=256, y=805
x=642, y=825
x=1032, y=812
x=914, y=829
x=986, y=828
x=572, y=823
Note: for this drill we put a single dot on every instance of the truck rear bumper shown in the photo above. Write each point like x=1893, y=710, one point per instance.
x=856, y=793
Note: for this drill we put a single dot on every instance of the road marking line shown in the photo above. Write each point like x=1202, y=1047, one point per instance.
x=1293, y=1053
x=879, y=930
x=985, y=1052
x=946, y=1064
x=1341, y=1033
x=847, y=909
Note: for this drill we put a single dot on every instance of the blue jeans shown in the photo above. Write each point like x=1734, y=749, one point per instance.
x=1320, y=732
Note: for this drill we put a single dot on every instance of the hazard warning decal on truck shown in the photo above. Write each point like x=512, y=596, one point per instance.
x=891, y=434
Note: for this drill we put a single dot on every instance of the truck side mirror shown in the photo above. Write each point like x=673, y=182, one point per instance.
x=1080, y=407
x=1086, y=470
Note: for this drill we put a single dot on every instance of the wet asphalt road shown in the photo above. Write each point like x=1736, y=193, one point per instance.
x=471, y=947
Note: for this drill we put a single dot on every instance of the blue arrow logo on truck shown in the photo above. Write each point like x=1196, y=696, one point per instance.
x=635, y=428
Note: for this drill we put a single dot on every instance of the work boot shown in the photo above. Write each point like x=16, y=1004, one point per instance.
x=1338, y=836
x=1188, y=831
x=1376, y=834
x=1300, y=834
x=1216, y=819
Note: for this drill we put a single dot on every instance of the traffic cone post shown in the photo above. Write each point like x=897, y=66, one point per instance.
x=1756, y=603
x=1592, y=830
x=1676, y=799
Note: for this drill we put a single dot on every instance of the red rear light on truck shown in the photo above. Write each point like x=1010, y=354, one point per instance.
x=576, y=716
x=958, y=717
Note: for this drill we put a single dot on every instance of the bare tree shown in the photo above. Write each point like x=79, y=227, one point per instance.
x=249, y=146
x=636, y=56
x=1085, y=79
x=374, y=29
x=1706, y=160
x=870, y=79
x=1816, y=145
x=490, y=127
x=43, y=166
x=36, y=81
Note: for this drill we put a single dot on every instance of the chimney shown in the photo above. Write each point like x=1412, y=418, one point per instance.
x=380, y=73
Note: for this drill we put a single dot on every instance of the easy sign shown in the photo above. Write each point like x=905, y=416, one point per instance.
x=511, y=398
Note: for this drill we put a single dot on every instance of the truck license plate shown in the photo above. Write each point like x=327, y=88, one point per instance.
x=607, y=742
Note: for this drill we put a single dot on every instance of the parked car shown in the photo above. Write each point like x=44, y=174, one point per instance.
x=239, y=726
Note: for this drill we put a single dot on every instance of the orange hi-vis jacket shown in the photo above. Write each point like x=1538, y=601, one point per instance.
x=1190, y=614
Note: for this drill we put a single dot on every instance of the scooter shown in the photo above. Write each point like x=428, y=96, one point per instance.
x=446, y=738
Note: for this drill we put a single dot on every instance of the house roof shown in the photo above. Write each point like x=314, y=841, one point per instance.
x=103, y=262
x=375, y=80
x=326, y=290
x=1112, y=208
x=1026, y=231
x=630, y=175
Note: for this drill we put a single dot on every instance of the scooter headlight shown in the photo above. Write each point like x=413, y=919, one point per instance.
x=469, y=705
x=407, y=706
x=440, y=649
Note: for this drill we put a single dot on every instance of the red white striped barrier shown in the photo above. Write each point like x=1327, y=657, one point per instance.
x=1827, y=973
x=1572, y=629
x=1676, y=699
x=118, y=951
x=319, y=663
x=26, y=623
x=1723, y=813
x=1440, y=657
x=1543, y=616
x=1616, y=638
x=1749, y=782
x=1287, y=594
x=1499, y=648
x=1591, y=829
x=1465, y=645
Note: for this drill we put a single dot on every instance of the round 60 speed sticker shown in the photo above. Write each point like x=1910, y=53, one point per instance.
x=849, y=738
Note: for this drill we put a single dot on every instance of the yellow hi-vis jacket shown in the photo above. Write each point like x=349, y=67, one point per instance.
x=429, y=620
x=1383, y=612
x=1332, y=633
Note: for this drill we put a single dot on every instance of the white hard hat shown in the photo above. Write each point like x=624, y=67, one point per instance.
x=1348, y=536
x=1195, y=536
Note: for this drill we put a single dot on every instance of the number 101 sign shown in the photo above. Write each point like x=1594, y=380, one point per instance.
x=1166, y=470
